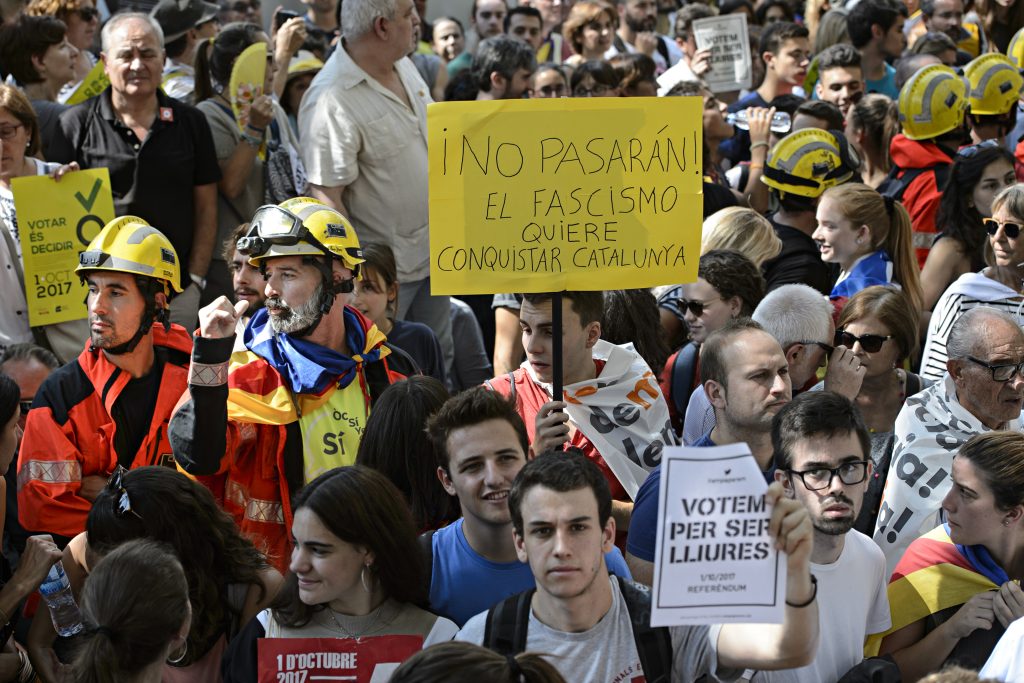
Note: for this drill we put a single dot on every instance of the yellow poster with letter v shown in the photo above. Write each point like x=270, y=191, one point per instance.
x=564, y=194
x=56, y=221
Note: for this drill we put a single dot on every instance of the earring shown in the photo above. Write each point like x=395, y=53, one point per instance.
x=362, y=578
x=859, y=240
x=1006, y=522
x=181, y=657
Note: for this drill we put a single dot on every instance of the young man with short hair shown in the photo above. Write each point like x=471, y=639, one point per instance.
x=502, y=68
x=840, y=79
x=525, y=24
x=876, y=31
x=786, y=52
x=746, y=377
x=481, y=445
x=581, y=618
x=585, y=359
x=247, y=283
x=823, y=460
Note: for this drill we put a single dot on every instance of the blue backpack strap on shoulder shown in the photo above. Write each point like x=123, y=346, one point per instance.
x=684, y=372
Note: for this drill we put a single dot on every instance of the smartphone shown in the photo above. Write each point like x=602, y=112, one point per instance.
x=282, y=16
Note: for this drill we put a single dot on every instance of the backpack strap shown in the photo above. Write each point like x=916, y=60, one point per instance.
x=511, y=386
x=653, y=643
x=684, y=372
x=663, y=51
x=426, y=543
x=508, y=623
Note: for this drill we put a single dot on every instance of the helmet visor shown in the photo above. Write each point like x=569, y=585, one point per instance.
x=272, y=225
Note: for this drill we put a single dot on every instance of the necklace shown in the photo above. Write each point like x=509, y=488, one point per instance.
x=371, y=629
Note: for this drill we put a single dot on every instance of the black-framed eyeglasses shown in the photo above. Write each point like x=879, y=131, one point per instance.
x=1001, y=372
x=820, y=478
x=1011, y=228
x=122, y=503
x=598, y=90
x=971, y=150
x=828, y=349
x=872, y=343
x=25, y=406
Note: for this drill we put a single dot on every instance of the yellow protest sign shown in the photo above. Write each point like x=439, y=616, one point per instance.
x=246, y=84
x=564, y=194
x=56, y=222
x=93, y=84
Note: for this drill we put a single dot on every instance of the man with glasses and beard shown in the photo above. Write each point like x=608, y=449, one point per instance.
x=982, y=390
x=822, y=459
x=260, y=423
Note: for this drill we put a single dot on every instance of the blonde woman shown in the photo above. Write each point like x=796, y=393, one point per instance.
x=743, y=230
x=869, y=237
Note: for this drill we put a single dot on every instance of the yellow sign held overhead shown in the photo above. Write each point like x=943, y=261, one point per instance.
x=56, y=222
x=93, y=84
x=246, y=84
x=564, y=194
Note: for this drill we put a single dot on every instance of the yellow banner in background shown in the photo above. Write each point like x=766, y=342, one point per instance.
x=564, y=194
x=93, y=84
x=56, y=222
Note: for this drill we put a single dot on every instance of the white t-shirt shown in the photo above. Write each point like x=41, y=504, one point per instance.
x=1006, y=663
x=607, y=653
x=852, y=604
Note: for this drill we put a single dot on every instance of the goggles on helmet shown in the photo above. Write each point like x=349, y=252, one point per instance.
x=272, y=225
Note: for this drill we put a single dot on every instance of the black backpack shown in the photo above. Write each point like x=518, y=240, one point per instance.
x=509, y=620
x=895, y=185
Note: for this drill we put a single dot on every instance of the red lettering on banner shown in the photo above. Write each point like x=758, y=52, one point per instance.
x=307, y=660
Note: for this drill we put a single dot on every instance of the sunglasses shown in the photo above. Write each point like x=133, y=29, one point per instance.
x=88, y=13
x=872, y=343
x=992, y=226
x=971, y=150
x=122, y=503
x=821, y=345
x=695, y=307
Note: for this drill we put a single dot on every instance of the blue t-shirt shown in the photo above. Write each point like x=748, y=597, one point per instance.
x=464, y=584
x=886, y=85
x=643, y=524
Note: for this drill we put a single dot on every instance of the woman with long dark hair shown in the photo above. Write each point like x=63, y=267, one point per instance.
x=356, y=571
x=229, y=580
x=978, y=174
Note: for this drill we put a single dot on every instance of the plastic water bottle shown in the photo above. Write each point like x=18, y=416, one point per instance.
x=780, y=121
x=56, y=591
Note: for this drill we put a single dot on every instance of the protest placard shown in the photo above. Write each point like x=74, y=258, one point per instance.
x=56, y=222
x=564, y=194
x=93, y=84
x=727, y=38
x=714, y=562
x=246, y=84
x=359, y=660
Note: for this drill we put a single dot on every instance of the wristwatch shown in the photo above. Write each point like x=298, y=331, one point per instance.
x=198, y=281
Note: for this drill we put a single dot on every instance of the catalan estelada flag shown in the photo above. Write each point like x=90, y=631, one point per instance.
x=934, y=574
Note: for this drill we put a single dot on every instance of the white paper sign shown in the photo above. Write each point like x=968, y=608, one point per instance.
x=727, y=38
x=714, y=561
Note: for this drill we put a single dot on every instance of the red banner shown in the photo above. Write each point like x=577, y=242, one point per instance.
x=312, y=660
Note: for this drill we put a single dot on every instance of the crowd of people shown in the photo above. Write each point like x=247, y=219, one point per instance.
x=268, y=431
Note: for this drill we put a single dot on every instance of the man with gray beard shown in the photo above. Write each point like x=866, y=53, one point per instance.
x=822, y=459
x=262, y=422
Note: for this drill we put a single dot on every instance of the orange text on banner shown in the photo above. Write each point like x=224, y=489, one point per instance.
x=305, y=660
x=56, y=222
x=564, y=194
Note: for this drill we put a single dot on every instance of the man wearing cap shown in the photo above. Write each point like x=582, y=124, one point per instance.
x=111, y=406
x=186, y=23
x=260, y=423
x=159, y=151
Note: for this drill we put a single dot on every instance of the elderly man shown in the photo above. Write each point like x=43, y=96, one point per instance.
x=982, y=390
x=159, y=151
x=363, y=125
